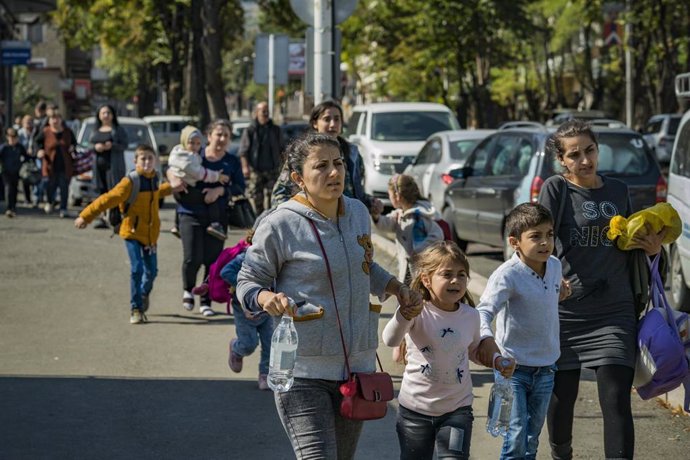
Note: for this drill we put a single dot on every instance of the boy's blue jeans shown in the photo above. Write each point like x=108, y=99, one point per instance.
x=143, y=263
x=532, y=388
x=249, y=332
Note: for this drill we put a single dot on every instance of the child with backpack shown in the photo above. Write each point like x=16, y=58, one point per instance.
x=185, y=162
x=137, y=196
x=250, y=328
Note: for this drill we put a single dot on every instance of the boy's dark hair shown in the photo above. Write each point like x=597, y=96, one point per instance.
x=143, y=148
x=525, y=216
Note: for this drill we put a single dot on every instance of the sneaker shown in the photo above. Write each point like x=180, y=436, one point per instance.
x=263, y=382
x=206, y=310
x=188, y=301
x=145, y=303
x=216, y=230
x=64, y=214
x=175, y=231
x=9, y=213
x=235, y=360
x=48, y=208
x=137, y=317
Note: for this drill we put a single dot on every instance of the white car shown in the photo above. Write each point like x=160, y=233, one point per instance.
x=443, y=152
x=389, y=136
x=166, y=129
x=679, y=197
x=83, y=187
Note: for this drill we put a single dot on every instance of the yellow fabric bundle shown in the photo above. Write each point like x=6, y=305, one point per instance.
x=659, y=216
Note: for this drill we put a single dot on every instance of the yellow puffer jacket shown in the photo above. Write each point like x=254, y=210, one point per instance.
x=142, y=222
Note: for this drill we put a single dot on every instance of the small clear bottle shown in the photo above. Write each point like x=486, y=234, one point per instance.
x=500, y=404
x=283, y=354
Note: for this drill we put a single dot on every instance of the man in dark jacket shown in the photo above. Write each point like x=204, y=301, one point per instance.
x=261, y=157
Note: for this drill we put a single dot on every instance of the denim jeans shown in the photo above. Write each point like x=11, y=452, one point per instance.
x=143, y=263
x=250, y=332
x=451, y=433
x=532, y=388
x=310, y=414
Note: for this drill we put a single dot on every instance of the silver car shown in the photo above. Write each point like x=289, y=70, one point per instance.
x=443, y=152
x=660, y=133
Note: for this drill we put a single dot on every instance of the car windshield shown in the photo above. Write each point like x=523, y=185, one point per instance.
x=136, y=134
x=460, y=150
x=410, y=126
x=622, y=154
x=673, y=125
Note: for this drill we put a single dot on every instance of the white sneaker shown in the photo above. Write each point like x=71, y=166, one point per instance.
x=48, y=208
x=136, y=317
x=188, y=301
x=206, y=310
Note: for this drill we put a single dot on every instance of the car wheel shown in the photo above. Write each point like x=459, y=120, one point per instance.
x=448, y=217
x=680, y=295
x=508, y=250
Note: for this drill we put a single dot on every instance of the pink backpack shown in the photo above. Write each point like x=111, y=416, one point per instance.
x=218, y=290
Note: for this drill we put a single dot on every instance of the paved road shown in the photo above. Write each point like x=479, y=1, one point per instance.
x=78, y=381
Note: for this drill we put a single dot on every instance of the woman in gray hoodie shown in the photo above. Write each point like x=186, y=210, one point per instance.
x=285, y=263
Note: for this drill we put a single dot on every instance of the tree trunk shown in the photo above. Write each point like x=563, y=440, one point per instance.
x=213, y=63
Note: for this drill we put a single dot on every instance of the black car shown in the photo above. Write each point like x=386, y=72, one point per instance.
x=510, y=167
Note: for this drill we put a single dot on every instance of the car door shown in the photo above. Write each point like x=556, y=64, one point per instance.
x=462, y=193
x=495, y=189
x=433, y=159
x=420, y=165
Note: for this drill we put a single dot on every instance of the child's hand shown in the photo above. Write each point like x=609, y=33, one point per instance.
x=507, y=370
x=486, y=350
x=224, y=179
x=376, y=207
x=565, y=291
x=79, y=222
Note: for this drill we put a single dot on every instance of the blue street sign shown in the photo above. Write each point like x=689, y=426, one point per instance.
x=15, y=52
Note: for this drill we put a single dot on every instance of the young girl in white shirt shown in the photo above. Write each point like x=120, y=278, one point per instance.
x=441, y=337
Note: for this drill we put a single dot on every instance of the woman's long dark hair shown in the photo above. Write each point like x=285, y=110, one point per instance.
x=112, y=111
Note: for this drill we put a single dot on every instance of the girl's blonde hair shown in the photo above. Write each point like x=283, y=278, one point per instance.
x=430, y=259
x=406, y=187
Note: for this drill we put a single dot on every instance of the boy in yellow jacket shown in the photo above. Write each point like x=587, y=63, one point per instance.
x=140, y=226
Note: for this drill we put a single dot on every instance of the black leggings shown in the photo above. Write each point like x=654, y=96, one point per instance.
x=614, y=383
x=198, y=247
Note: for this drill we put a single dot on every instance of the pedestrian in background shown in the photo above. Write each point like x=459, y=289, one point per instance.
x=327, y=118
x=260, y=154
x=139, y=229
x=280, y=266
x=198, y=246
x=55, y=147
x=598, y=323
x=109, y=141
x=12, y=155
x=522, y=297
x=441, y=337
x=24, y=133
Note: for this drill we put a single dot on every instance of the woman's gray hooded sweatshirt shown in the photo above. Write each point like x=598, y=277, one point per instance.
x=285, y=249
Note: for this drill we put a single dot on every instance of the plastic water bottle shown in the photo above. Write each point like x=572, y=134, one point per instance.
x=500, y=405
x=283, y=354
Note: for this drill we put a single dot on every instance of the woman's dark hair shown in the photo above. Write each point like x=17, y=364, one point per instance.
x=298, y=150
x=219, y=122
x=572, y=128
x=317, y=111
x=112, y=111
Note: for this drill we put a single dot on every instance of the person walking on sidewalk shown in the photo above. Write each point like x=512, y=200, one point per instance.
x=522, y=296
x=598, y=324
x=12, y=155
x=139, y=229
x=280, y=268
x=440, y=338
x=260, y=154
x=55, y=144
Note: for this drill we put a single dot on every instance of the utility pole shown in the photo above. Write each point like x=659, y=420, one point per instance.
x=628, y=67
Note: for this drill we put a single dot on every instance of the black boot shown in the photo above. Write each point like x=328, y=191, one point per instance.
x=562, y=451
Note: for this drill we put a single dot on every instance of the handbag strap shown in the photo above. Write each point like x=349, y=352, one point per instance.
x=335, y=303
x=658, y=297
x=561, y=207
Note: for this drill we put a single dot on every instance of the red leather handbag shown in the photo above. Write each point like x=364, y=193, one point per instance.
x=365, y=395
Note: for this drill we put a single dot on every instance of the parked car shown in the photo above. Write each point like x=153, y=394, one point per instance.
x=83, y=187
x=510, y=167
x=561, y=116
x=660, y=133
x=293, y=129
x=443, y=152
x=679, y=198
x=389, y=136
x=166, y=129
